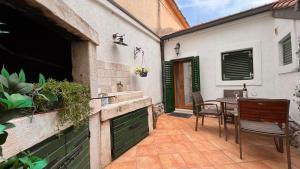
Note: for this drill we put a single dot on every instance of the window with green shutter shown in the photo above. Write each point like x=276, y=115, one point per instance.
x=237, y=65
x=286, y=51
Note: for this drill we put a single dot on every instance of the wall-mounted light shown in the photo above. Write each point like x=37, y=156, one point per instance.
x=3, y=31
x=177, y=48
x=138, y=50
x=119, y=39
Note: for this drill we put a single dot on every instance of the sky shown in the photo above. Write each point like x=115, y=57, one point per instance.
x=201, y=11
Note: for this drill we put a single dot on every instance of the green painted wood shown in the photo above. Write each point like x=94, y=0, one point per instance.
x=128, y=130
x=196, y=74
x=168, y=78
x=82, y=159
x=287, y=51
x=196, y=85
x=68, y=149
x=237, y=65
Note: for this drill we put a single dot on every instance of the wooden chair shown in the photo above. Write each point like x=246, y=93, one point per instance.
x=265, y=117
x=201, y=110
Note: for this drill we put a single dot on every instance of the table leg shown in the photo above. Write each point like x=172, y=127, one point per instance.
x=236, y=129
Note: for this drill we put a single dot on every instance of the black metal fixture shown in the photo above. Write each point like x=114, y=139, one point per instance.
x=138, y=50
x=177, y=48
x=3, y=31
x=118, y=39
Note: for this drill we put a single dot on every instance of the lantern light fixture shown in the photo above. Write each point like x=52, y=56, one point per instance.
x=119, y=39
x=177, y=48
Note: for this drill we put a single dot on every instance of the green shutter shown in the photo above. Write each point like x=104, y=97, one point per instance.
x=195, y=77
x=168, y=77
x=287, y=51
x=237, y=65
x=196, y=74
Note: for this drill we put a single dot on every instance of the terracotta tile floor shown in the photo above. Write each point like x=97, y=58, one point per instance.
x=174, y=144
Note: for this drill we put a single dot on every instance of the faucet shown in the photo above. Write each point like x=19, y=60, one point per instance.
x=120, y=84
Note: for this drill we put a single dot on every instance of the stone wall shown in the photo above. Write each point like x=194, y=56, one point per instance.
x=109, y=74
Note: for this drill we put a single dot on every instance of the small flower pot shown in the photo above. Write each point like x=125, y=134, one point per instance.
x=143, y=74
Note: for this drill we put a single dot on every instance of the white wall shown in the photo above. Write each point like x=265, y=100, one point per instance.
x=287, y=76
x=107, y=20
x=257, y=32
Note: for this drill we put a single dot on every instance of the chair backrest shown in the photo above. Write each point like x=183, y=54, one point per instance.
x=267, y=110
x=230, y=93
x=197, y=98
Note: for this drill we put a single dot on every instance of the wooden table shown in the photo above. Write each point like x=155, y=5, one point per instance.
x=224, y=101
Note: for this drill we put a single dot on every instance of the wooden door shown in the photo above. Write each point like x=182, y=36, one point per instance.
x=183, y=85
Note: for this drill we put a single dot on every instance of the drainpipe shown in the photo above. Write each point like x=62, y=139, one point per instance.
x=162, y=57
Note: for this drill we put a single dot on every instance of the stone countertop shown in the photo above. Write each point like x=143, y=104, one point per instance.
x=113, y=110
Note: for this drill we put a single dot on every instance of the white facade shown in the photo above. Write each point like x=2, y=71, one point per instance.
x=261, y=32
x=107, y=20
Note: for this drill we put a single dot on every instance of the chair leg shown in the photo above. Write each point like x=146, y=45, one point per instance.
x=225, y=128
x=202, y=120
x=240, y=141
x=236, y=130
x=197, y=117
x=288, y=152
x=222, y=119
x=220, y=126
x=279, y=144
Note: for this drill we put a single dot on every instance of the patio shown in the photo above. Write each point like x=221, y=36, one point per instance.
x=174, y=144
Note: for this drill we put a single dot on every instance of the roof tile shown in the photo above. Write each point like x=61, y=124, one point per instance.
x=284, y=4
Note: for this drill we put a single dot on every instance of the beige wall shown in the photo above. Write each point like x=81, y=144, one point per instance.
x=155, y=14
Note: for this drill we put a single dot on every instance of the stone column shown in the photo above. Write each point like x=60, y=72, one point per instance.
x=84, y=71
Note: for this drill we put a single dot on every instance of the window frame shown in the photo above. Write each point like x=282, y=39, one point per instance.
x=287, y=39
x=250, y=65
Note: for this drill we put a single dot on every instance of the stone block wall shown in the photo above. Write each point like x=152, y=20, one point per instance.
x=109, y=74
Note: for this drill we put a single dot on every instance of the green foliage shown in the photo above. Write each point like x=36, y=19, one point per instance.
x=4, y=134
x=72, y=99
x=2, y=128
x=26, y=162
x=14, y=83
x=16, y=96
x=15, y=101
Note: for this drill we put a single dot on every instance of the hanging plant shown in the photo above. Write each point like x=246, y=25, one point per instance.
x=72, y=103
x=141, y=71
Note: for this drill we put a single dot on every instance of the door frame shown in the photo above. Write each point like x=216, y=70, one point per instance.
x=176, y=64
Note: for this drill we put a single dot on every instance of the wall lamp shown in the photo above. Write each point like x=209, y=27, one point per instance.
x=118, y=39
x=138, y=50
x=177, y=48
x=3, y=31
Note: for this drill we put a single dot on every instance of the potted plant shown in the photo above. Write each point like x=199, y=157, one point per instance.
x=19, y=98
x=141, y=71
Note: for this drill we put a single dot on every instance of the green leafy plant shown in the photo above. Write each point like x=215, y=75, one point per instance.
x=72, y=99
x=15, y=101
x=14, y=83
x=16, y=96
x=26, y=162
x=4, y=134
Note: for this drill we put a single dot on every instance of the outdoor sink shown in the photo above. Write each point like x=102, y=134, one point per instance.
x=124, y=96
